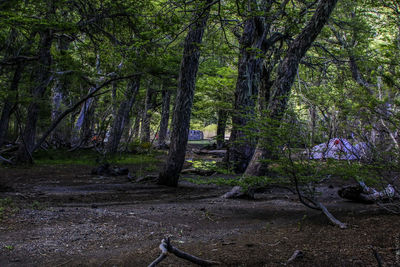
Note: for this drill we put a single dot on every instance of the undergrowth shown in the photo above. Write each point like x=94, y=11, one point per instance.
x=91, y=158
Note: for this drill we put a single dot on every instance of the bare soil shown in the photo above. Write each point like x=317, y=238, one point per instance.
x=67, y=217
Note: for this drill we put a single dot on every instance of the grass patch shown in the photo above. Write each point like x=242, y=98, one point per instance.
x=201, y=142
x=7, y=207
x=90, y=158
x=210, y=165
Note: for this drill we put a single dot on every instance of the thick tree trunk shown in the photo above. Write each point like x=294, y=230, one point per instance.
x=9, y=103
x=287, y=71
x=242, y=144
x=122, y=117
x=162, y=135
x=43, y=79
x=221, y=127
x=184, y=99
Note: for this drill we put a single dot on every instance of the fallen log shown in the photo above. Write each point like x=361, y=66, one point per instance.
x=368, y=195
x=166, y=247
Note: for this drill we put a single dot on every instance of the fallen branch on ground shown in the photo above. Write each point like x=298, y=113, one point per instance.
x=6, y=160
x=166, y=247
x=296, y=255
x=364, y=194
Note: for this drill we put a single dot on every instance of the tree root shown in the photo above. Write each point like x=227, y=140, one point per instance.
x=166, y=247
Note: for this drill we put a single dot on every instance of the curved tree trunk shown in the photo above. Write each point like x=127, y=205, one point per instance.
x=162, y=135
x=122, y=116
x=287, y=71
x=184, y=99
x=43, y=79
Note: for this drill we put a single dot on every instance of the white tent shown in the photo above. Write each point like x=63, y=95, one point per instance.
x=338, y=148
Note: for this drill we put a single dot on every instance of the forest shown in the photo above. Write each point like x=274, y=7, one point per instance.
x=199, y=132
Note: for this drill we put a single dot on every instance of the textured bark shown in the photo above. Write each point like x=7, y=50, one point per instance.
x=60, y=135
x=43, y=78
x=136, y=126
x=9, y=103
x=122, y=117
x=162, y=135
x=146, y=116
x=184, y=99
x=221, y=127
x=242, y=145
x=287, y=71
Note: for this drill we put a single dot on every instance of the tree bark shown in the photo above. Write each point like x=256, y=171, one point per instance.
x=221, y=127
x=184, y=99
x=122, y=117
x=9, y=103
x=146, y=116
x=287, y=71
x=43, y=78
x=242, y=144
x=59, y=135
x=162, y=135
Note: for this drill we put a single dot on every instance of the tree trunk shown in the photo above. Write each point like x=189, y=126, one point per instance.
x=242, y=144
x=221, y=126
x=122, y=117
x=287, y=71
x=43, y=79
x=162, y=134
x=146, y=116
x=59, y=135
x=184, y=99
x=136, y=126
x=9, y=103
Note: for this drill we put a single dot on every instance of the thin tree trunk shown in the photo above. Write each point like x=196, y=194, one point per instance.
x=136, y=126
x=59, y=135
x=184, y=99
x=43, y=79
x=162, y=135
x=122, y=117
x=146, y=116
x=221, y=127
x=287, y=71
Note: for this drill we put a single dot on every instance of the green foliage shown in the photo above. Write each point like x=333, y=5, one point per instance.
x=210, y=165
x=91, y=158
x=138, y=147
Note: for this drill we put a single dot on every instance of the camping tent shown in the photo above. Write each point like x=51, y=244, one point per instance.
x=338, y=148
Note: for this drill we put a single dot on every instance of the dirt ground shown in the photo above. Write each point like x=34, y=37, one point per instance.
x=63, y=216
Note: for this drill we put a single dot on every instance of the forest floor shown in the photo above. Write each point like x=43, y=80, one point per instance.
x=61, y=215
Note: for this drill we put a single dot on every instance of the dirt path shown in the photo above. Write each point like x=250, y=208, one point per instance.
x=67, y=217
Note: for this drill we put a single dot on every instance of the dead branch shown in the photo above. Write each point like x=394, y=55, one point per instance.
x=6, y=160
x=296, y=255
x=330, y=216
x=166, y=247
